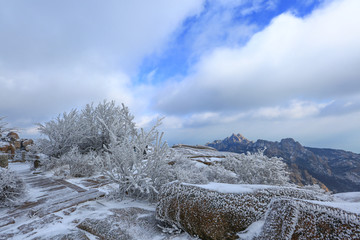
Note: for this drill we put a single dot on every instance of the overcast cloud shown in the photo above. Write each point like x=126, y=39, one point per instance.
x=58, y=55
x=266, y=69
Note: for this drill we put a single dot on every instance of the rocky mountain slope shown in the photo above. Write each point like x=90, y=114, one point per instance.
x=336, y=170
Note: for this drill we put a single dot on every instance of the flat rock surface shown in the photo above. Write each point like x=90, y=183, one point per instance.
x=48, y=197
x=59, y=209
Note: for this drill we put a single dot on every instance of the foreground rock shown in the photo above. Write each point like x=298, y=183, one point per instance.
x=295, y=219
x=126, y=224
x=219, y=211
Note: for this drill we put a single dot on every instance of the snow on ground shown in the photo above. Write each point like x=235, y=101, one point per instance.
x=252, y=231
x=66, y=220
x=348, y=196
x=201, y=153
x=93, y=209
x=348, y=201
x=18, y=166
x=232, y=188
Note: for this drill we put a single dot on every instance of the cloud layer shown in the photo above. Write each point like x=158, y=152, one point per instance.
x=58, y=55
x=298, y=77
x=314, y=58
x=210, y=67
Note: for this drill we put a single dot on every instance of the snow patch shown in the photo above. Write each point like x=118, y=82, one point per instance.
x=232, y=188
x=252, y=231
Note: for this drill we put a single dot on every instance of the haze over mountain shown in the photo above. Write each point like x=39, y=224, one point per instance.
x=337, y=170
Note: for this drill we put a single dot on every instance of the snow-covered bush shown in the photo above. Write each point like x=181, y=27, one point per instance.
x=96, y=120
x=136, y=160
x=106, y=135
x=86, y=129
x=80, y=165
x=62, y=133
x=11, y=187
x=256, y=168
x=185, y=170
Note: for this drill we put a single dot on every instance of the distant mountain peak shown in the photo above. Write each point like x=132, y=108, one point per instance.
x=237, y=138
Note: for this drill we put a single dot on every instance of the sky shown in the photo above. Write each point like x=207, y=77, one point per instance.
x=266, y=69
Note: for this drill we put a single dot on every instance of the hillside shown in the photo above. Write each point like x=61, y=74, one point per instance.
x=336, y=170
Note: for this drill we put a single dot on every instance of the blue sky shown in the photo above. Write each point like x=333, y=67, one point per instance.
x=182, y=51
x=266, y=69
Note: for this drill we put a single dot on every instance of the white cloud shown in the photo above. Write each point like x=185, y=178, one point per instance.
x=312, y=58
x=62, y=54
x=296, y=110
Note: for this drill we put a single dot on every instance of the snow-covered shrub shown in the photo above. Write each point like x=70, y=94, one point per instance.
x=86, y=129
x=11, y=187
x=62, y=133
x=188, y=171
x=256, y=168
x=80, y=165
x=95, y=122
x=136, y=160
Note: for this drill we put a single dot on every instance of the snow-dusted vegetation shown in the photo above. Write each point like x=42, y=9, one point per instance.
x=104, y=138
x=11, y=187
x=203, y=165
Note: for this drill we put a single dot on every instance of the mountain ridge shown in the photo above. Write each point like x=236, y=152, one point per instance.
x=333, y=169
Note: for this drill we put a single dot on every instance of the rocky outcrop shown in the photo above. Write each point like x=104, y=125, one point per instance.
x=13, y=136
x=289, y=219
x=336, y=170
x=211, y=214
x=12, y=144
x=7, y=148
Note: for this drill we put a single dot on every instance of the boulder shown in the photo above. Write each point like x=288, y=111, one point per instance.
x=27, y=142
x=219, y=211
x=289, y=219
x=13, y=136
x=17, y=144
x=7, y=148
